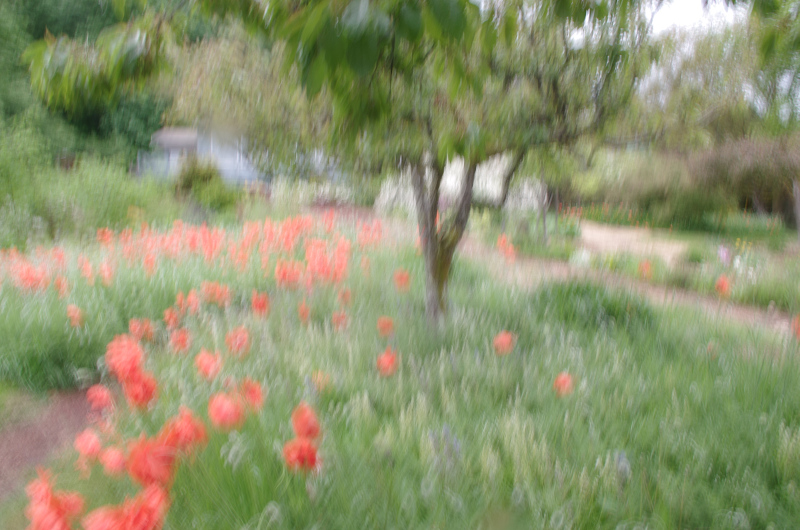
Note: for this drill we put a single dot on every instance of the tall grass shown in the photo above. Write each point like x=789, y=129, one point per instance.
x=675, y=421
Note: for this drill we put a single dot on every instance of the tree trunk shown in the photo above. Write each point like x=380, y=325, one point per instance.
x=544, y=214
x=438, y=246
x=796, y=193
x=509, y=174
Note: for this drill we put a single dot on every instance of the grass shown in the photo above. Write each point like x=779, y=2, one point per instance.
x=526, y=233
x=675, y=421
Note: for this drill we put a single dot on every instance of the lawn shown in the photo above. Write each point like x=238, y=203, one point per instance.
x=665, y=419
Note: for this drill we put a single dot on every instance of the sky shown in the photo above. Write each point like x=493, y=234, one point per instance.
x=690, y=14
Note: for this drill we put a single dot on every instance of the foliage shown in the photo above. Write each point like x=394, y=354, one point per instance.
x=202, y=180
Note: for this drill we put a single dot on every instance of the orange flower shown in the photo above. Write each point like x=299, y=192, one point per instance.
x=124, y=356
x=208, y=365
x=216, y=293
x=646, y=270
x=238, y=341
x=141, y=329
x=180, y=340
x=183, y=432
x=796, y=326
x=99, y=397
x=345, y=297
x=287, y=273
x=146, y=511
x=105, y=236
x=62, y=286
x=321, y=380
x=48, y=509
x=172, y=318
x=402, y=280
x=300, y=454
x=151, y=461
x=339, y=320
x=387, y=362
x=303, y=312
x=113, y=461
x=225, y=412
x=304, y=421
x=723, y=286
x=504, y=342
x=563, y=384
x=106, y=273
x=506, y=248
x=88, y=444
x=252, y=394
x=385, y=326
x=75, y=316
x=139, y=389
x=260, y=303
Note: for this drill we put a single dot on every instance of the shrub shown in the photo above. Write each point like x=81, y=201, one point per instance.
x=201, y=180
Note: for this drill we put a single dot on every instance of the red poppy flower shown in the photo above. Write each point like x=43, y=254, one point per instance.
x=226, y=412
x=238, y=341
x=180, y=340
x=300, y=454
x=723, y=286
x=796, y=326
x=88, y=444
x=345, y=297
x=183, y=432
x=402, y=280
x=385, y=326
x=208, y=365
x=563, y=384
x=151, y=461
x=646, y=270
x=124, y=356
x=113, y=461
x=141, y=329
x=139, y=389
x=48, y=509
x=303, y=312
x=75, y=316
x=321, y=380
x=387, y=362
x=504, y=342
x=339, y=320
x=260, y=303
x=304, y=421
x=99, y=397
x=252, y=394
x=172, y=318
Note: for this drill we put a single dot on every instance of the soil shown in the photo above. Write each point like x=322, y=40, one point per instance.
x=604, y=239
x=25, y=444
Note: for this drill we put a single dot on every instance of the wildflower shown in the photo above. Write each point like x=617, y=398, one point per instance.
x=216, y=293
x=139, y=389
x=180, y=340
x=99, y=397
x=124, y=356
x=105, y=236
x=723, y=286
x=385, y=326
x=504, y=342
x=387, y=362
x=106, y=273
x=303, y=312
x=252, y=394
x=402, y=280
x=141, y=329
x=645, y=270
x=113, y=461
x=172, y=318
x=506, y=248
x=151, y=461
x=345, y=297
x=304, y=421
x=50, y=510
x=238, y=341
x=563, y=384
x=225, y=412
x=287, y=273
x=321, y=380
x=300, y=454
x=183, y=432
x=88, y=444
x=339, y=320
x=208, y=365
x=75, y=316
x=260, y=303
x=86, y=269
x=62, y=286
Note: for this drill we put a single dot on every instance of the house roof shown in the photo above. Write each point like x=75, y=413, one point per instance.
x=175, y=138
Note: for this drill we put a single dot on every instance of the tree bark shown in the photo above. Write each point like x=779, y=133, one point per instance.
x=438, y=246
x=796, y=193
x=509, y=174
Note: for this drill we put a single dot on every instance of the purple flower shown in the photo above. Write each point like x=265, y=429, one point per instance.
x=724, y=255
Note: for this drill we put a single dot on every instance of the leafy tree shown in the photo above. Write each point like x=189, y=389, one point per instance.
x=426, y=80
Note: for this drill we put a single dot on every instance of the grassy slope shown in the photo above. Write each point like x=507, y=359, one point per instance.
x=461, y=438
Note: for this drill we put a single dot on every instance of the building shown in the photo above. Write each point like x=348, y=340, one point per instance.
x=172, y=145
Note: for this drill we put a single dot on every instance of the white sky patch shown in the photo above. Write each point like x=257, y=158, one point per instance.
x=691, y=15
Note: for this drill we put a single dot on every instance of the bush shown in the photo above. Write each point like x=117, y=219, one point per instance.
x=202, y=181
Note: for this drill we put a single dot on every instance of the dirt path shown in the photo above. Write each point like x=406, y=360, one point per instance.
x=605, y=239
x=26, y=444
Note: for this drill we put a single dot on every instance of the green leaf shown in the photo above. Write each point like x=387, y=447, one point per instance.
x=450, y=16
x=601, y=10
x=409, y=22
x=332, y=44
x=315, y=76
x=510, y=27
x=314, y=24
x=488, y=36
x=362, y=53
x=356, y=16
x=563, y=8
